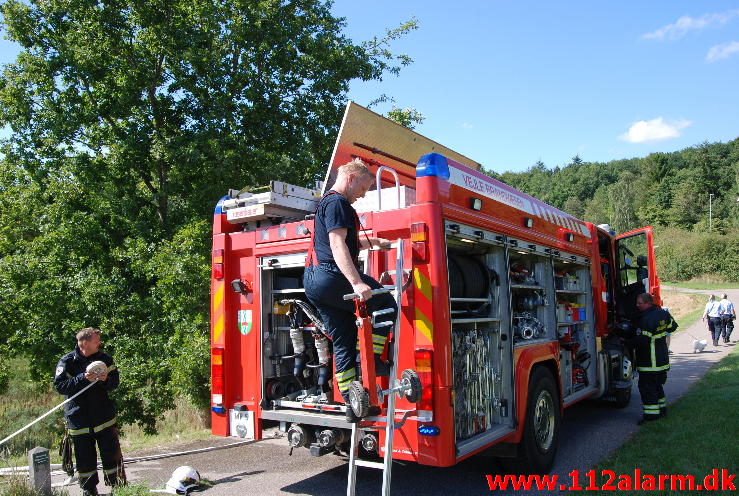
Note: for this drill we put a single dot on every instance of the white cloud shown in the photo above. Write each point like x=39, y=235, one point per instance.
x=682, y=26
x=467, y=125
x=719, y=52
x=654, y=130
x=581, y=148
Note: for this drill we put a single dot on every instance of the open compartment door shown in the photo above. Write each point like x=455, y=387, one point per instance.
x=636, y=271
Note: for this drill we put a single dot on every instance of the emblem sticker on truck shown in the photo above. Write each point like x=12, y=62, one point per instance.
x=244, y=320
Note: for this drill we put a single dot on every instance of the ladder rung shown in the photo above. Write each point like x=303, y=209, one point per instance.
x=386, y=323
x=369, y=464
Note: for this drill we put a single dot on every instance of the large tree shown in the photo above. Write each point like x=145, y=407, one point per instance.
x=129, y=119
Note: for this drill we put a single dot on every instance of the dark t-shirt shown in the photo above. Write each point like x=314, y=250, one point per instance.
x=334, y=212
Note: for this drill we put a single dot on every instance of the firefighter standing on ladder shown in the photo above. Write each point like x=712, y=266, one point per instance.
x=652, y=359
x=332, y=271
x=91, y=416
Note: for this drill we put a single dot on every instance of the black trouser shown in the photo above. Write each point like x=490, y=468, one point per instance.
x=652, y=393
x=110, y=454
x=325, y=287
x=728, y=323
x=716, y=326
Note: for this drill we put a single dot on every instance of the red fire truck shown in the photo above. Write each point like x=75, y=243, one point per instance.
x=509, y=312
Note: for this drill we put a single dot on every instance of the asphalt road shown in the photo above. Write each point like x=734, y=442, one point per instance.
x=590, y=431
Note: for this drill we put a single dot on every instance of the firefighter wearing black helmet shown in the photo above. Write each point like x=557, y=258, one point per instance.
x=652, y=357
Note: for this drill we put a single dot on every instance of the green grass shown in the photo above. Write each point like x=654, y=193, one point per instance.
x=23, y=402
x=699, y=435
x=131, y=490
x=20, y=404
x=688, y=319
x=702, y=285
x=19, y=486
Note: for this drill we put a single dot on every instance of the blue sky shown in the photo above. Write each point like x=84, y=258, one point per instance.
x=510, y=83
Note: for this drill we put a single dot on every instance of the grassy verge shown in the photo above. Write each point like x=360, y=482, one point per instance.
x=699, y=435
x=686, y=308
x=703, y=285
x=23, y=402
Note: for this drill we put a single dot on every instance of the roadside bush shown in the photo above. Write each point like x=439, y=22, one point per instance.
x=683, y=255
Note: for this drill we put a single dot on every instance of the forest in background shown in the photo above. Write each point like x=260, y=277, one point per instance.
x=669, y=191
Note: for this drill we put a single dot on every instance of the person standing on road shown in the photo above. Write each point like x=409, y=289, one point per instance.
x=713, y=314
x=728, y=316
x=91, y=415
x=332, y=270
x=652, y=358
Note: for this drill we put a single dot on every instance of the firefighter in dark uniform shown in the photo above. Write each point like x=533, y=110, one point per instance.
x=332, y=271
x=652, y=359
x=91, y=416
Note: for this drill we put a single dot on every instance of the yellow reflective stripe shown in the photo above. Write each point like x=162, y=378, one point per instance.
x=378, y=339
x=346, y=373
x=111, y=471
x=653, y=353
x=77, y=432
x=379, y=348
x=87, y=474
x=346, y=381
x=653, y=369
x=662, y=401
x=343, y=387
x=105, y=425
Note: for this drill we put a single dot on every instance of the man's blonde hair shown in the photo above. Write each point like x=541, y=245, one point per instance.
x=87, y=333
x=356, y=167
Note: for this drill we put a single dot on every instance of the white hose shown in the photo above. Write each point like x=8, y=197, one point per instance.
x=126, y=461
x=296, y=335
x=322, y=349
x=53, y=409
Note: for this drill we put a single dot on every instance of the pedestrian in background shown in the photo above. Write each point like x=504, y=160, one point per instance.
x=713, y=314
x=728, y=316
x=91, y=415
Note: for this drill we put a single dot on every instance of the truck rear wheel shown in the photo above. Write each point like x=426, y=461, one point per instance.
x=541, y=428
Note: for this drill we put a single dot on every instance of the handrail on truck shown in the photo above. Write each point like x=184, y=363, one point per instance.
x=379, y=184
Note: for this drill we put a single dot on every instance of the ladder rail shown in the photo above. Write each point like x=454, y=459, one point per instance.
x=389, y=418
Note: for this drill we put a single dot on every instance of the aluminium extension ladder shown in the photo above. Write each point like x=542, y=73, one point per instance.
x=395, y=387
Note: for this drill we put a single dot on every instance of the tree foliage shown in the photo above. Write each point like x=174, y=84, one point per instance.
x=667, y=190
x=128, y=120
x=408, y=116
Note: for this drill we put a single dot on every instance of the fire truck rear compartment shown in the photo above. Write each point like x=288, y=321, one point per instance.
x=296, y=390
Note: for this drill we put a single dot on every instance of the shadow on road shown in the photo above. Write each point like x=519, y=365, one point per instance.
x=467, y=477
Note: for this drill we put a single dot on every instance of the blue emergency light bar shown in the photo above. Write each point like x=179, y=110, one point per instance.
x=433, y=164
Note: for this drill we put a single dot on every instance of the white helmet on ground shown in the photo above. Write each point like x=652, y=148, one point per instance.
x=183, y=480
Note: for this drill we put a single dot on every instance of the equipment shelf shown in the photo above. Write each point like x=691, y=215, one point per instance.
x=475, y=320
x=562, y=324
x=526, y=286
x=570, y=291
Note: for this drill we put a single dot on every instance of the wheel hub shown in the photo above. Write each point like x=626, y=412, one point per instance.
x=544, y=421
